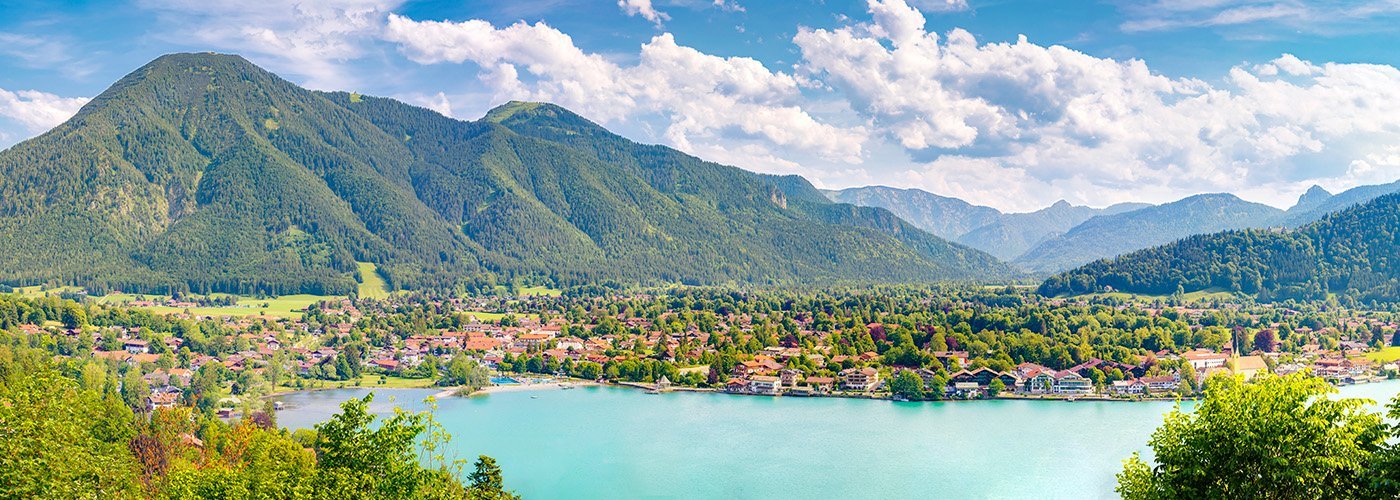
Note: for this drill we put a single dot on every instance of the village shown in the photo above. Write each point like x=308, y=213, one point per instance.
x=346, y=342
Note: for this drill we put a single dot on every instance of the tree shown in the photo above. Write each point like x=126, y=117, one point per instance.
x=465, y=372
x=1279, y=437
x=907, y=384
x=995, y=387
x=486, y=481
x=1264, y=341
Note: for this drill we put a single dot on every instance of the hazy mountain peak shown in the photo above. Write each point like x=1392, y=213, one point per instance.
x=1314, y=196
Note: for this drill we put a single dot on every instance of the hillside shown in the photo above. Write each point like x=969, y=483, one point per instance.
x=1111, y=235
x=204, y=172
x=1351, y=253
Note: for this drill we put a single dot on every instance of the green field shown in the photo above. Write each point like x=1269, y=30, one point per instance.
x=372, y=285
x=287, y=306
x=1385, y=355
x=1196, y=296
x=392, y=382
x=531, y=291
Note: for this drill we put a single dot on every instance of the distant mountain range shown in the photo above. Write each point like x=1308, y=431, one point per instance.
x=207, y=173
x=1004, y=235
x=1110, y=235
x=1065, y=236
x=1351, y=253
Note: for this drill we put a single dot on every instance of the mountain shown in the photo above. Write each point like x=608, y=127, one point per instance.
x=1312, y=206
x=1005, y=236
x=1314, y=198
x=1110, y=235
x=204, y=172
x=1351, y=253
x=945, y=217
x=1011, y=235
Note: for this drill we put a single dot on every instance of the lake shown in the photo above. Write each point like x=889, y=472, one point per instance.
x=608, y=442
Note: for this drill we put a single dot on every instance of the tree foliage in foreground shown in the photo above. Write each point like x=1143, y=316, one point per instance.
x=63, y=438
x=1278, y=437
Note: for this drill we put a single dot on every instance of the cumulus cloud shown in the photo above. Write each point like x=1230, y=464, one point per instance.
x=643, y=8
x=705, y=100
x=1066, y=122
x=38, y=111
x=310, y=39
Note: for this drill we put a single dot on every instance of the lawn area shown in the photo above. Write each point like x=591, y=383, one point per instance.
x=372, y=284
x=1196, y=296
x=539, y=291
x=392, y=382
x=531, y=291
x=287, y=306
x=1385, y=355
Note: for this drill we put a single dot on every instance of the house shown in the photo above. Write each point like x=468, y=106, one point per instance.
x=1128, y=387
x=821, y=384
x=1037, y=381
x=1250, y=366
x=1071, y=383
x=136, y=346
x=789, y=377
x=161, y=400
x=763, y=384
x=966, y=389
x=983, y=377
x=736, y=385
x=1161, y=383
x=532, y=340
x=1202, y=360
x=859, y=379
x=385, y=364
x=930, y=377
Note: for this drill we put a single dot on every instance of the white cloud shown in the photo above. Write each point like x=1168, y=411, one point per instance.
x=38, y=111
x=1086, y=128
x=643, y=8
x=1297, y=15
x=309, y=39
x=940, y=5
x=728, y=5
x=706, y=101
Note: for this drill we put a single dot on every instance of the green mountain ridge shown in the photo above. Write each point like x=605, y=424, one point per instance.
x=1352, y=253
x=204, y=172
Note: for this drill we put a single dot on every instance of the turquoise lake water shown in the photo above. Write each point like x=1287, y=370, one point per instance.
x=606, y=442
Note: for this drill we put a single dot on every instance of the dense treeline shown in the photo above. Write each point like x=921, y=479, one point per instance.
x=204, y=173
x=1351, y=253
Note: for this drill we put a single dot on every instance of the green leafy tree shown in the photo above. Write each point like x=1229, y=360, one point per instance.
x=907, y=384
x=1279, y=437
x=996, y=387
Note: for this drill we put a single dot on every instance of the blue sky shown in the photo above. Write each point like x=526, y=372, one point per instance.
x=1008, y=104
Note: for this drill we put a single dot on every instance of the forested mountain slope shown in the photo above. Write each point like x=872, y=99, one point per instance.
x=1355, y=253
x=204, y=172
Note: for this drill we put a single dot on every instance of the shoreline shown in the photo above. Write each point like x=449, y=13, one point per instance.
x=562, y=384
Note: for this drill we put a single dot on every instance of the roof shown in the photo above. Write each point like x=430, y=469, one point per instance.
x=1250, y=363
